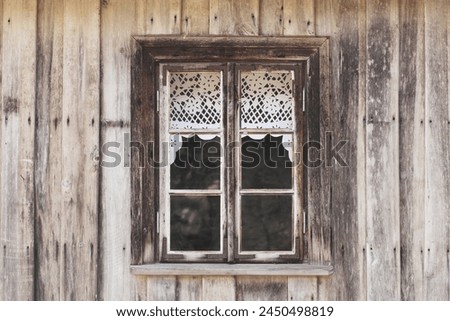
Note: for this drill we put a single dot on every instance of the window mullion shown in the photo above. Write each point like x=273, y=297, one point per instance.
x=230, y=166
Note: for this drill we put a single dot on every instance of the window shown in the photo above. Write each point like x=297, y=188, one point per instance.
x=227, y=120
x=230, y=162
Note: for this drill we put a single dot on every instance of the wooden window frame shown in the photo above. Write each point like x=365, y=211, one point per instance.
x=151, y=51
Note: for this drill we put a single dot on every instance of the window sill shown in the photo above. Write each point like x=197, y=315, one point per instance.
x=232, y=269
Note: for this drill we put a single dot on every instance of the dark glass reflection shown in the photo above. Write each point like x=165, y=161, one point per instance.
x=197, y=164
x=266, y=223
x=265, y=163
x=195, y=223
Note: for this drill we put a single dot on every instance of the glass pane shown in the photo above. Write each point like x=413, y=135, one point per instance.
x=195, y=162
x=266, y=99
x=267, y=161
x=266, y=223
x=195, y=100
x=195, y=223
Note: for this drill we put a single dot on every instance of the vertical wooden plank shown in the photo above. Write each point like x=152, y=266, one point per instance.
x=140, y=288
x=271, y=17
x=1, y=100
x=221, y=288
x=303, y=289
x=161, y=288
x=264, y=288
x=159, y=17
x=189, y=288
x=347, y=52
x=115, y=245
x=48, y=149
x=17, y=144
x=152, y=17
x=80, y=149
x=324, y=287
x=383, y=230
x=361, y=253
x=195, y=17
x=234, y=17
x=437, y=180
x=448, y=98
x=412, y=147
x=299, y=18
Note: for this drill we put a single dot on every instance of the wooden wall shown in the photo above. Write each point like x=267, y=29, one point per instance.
x=65, y=89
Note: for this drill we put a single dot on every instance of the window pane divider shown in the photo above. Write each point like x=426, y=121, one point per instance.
x=266, y=131
x=266, y=191
x=193, y=192
x=195, y=131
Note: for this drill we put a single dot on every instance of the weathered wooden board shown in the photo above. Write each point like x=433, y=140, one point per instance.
x=234, y=17
x=189, y=288
x=271, y=13
x=437, y=168
x=361, y=253
x=412, y=148
x=48, y=149
x=347, y=210
x=80, y=149
x=159, y=17
x=139, y=288
x=299, y=17
x=382, y=189
x=273, y=288
x=17, y=143
x=1, y=100
x=195, y=17
x=323, y=27
x=115, y=245
x=220, y=269
x=219, y=288
x=302, y=289
x=161, y=288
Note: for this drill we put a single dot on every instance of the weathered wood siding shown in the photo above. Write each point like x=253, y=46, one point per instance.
x=65, y=90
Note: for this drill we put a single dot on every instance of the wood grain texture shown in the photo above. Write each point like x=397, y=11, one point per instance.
x=437, y=157
x=361, y=254
x=219, y=288
x=271, y=14
x=299, y=18
x=80, y=149
x=48, y=149
x=412, y=147
x=323, y=19
x=234, y=17
x=17, y=161
x=195, y=17
x=142, y=122
x=115, y=240
x=189, y=288
x=348, y=215
x=314, y=167
x=303, y=289
x=161, y=288
x=382, y=163
x=139, y=285
x=159, y=17
x=219, y=269
x=1, y=100
x=272, y=288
